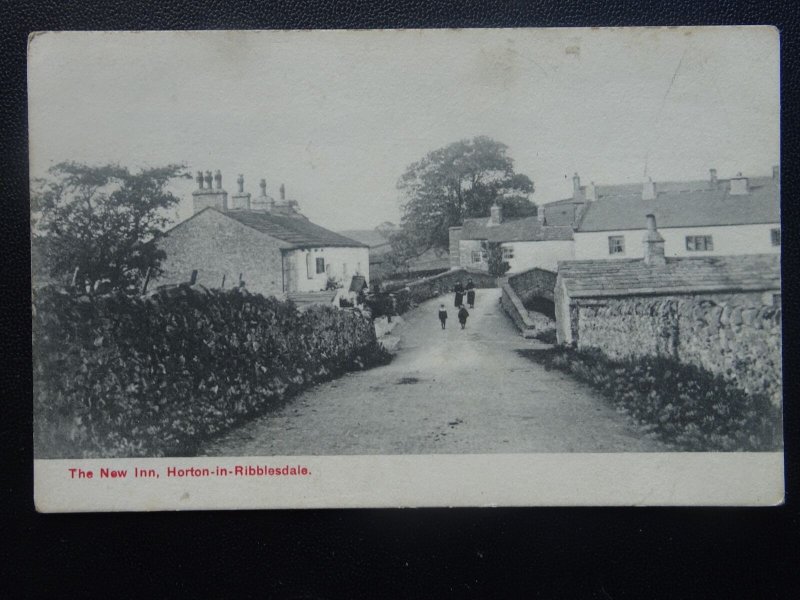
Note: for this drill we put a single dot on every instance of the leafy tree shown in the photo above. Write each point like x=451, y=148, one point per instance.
x=458, y=181
x=494, y=257
x=101, y=220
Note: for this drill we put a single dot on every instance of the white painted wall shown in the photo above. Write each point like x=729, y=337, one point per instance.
x=542, y=255
x=728, y=240
x=340, y=264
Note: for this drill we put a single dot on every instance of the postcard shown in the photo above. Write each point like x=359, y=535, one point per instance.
x=406, y=268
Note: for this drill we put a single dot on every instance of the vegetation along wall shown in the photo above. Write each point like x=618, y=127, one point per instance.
x=122, y=375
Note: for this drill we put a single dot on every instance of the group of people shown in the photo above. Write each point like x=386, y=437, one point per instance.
x=463, y=313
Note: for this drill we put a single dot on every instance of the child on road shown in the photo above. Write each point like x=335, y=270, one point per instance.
x=442, y=315
x=462, y=316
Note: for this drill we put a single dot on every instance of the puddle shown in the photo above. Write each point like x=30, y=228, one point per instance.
x=407, y=380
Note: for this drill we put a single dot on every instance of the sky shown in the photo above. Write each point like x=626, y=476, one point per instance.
x=337, y=116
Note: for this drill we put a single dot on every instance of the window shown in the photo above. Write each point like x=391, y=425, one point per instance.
x=616, y=244
x=508, y=252
x=320, y=265
x=775, y=235
x=476, y=256
x=699, y=243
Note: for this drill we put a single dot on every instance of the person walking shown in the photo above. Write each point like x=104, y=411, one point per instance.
x=471, y=293
x=442, y=315
x=462, y=316
x=459, y=290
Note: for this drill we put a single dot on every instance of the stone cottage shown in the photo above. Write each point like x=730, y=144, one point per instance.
x=722, y=313
x=525, y=242
x=265, y=243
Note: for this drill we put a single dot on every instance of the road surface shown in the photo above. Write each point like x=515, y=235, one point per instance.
x=453, y=391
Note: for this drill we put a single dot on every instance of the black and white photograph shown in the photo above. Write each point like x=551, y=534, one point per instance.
x=363, y=268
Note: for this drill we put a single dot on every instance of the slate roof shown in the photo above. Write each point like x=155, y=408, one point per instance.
x=299, y=232
x=682, y=204
x=526, y=229
x=632, y=277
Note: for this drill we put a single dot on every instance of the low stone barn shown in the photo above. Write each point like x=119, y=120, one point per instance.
x=267, y=244
x=722, y=313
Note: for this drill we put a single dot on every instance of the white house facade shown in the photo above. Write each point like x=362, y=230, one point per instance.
x=731, y=217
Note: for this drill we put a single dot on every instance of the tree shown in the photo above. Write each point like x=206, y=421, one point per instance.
x=494, y=257
x=458, y=181
x=102, y=220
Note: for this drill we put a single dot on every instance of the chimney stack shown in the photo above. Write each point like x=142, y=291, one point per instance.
x=496, y=214
x=713, y=176
x=206, y=196
x=739, y=185
x=263, y=185
x=653, y=244
x=576, y=187
x=240, y=200
x=649, y=190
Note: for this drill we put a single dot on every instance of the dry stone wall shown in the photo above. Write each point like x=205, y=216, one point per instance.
x=733, y=335
x=430, y=287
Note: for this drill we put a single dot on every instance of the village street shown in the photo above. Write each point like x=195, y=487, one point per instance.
x=449, y=391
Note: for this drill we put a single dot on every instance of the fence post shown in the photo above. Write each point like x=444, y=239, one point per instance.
x=193, y=280
x=222, y=285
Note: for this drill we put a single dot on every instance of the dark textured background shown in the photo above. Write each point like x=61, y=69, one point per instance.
x=541, y=553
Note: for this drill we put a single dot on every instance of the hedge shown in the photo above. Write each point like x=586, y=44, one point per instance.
x=120, y=375
x=684, y=405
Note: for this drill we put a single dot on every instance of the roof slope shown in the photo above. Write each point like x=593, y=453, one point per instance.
x=370, y=237
x=626, y=277
x=297, y=231
x=526, y=229
x=694, y=207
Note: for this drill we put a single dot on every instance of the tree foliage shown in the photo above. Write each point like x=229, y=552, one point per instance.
x=459, y=181
x=494, y=258
x=101, y=220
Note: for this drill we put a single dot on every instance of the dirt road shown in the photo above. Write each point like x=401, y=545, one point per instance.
x=452, y=391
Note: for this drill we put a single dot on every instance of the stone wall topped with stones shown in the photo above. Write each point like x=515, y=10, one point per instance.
x=430, y=287
x=533, y=282
x=733, y=335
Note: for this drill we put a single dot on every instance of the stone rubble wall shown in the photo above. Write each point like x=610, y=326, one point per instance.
x=533, y=282
x=734, y=335
x=431, y=287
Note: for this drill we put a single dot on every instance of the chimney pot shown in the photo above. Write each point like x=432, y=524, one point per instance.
x=209, y=179
x=263, y=185
x=199, y=180
x=591, y=191
x=240, y=182
x=218, y=179
x=496, y=214
x=576, y=186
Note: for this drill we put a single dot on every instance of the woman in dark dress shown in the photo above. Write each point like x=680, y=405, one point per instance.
x=459, y=290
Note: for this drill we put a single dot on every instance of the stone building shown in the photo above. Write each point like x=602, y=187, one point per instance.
x=713, y=217
x=265, y=243
x=525, y=242
x=719, y=312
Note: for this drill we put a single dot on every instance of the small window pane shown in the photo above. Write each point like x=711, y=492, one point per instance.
x=320, y=265
x=616, y=244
